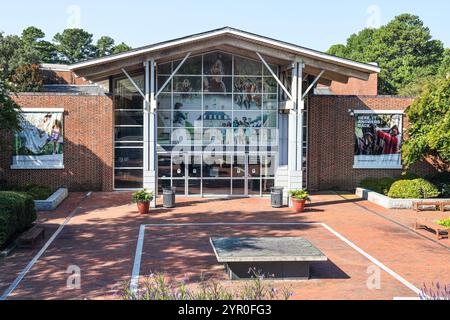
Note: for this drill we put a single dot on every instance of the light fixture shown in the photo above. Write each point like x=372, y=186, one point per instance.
x=351, y=112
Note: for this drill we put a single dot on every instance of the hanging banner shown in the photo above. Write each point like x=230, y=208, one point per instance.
x=378, y=141
x=39, y=144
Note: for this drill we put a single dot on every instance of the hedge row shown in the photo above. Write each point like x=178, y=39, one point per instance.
x=403, y=189
x=17, y=214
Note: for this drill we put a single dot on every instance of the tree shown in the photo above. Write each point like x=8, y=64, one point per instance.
x=122, y=47
x=429, y=129
x=9, y=112
x=403, y=48
x=32, y=37
x=74, y=45
x=106, y=46
x=27, y=78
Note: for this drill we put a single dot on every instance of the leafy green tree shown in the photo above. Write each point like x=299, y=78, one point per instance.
x=14, y=54
x=121, y=47
x=27, y=78
x=403, y=48
x=107, y=46
x=429, y=129
x=444, y=69
x=9, y=112
x=32, y=38
x=74, y=45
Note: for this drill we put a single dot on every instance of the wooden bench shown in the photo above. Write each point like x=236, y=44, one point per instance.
x=438, y=205
x=431, y=224
x=29, y=238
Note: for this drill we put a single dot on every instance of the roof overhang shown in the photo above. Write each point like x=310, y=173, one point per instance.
x=233, y=41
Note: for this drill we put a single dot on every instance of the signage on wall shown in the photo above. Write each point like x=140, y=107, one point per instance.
x=39, y=143
x=378, y=140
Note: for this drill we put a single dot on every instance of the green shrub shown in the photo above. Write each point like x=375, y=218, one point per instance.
x=38, y=192
x=17, y=213
x=444, y=223
x=382, y=185
x=413, y=189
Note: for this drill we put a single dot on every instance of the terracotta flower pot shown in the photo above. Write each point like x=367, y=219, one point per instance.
x=298, y=205
x=143, y=207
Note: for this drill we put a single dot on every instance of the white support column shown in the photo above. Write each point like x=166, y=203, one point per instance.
x=296, y=129
x=150, y=175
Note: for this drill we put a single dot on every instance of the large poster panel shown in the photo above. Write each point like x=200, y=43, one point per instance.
x=39, y=144
x=378, y=141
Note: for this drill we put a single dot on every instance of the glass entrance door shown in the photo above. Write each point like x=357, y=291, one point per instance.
x=198, y=174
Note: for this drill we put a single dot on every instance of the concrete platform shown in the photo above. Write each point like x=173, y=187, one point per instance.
x=277, y=258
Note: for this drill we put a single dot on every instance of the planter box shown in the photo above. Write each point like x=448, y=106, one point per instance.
x=390, y=203
x=53, y=202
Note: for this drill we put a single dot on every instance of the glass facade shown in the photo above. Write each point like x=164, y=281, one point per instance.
x=217, y=100
x=128, y=134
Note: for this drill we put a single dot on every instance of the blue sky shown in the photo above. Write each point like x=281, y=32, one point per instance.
x=314, y=24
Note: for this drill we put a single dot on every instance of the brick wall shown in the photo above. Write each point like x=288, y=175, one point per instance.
x=357, y=87
x=61, y=77
x=88, y=148
x=331, y=141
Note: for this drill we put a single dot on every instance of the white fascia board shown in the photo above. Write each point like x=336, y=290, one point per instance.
x=42, y=110
x=379, y=111
x=299, y=50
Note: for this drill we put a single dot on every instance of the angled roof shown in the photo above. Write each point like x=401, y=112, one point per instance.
x=281, y=46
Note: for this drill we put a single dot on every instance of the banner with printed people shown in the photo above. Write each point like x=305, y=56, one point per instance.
x=378, y=141
x=40, y=142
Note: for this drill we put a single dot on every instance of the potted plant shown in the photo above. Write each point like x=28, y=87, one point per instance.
x=299, y=198
x=142, y=199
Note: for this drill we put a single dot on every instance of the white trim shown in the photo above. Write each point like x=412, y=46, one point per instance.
x=19, y=167
x=379, y=112
x=242, y=34
x=30, y=265
x=369, y=167
x=42, y=110
x=138, y=257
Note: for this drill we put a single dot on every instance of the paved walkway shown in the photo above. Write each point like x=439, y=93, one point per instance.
x=101, y=240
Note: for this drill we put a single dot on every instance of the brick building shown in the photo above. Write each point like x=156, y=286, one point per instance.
x=220, y=113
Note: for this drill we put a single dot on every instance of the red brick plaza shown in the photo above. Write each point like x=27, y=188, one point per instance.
x=102, y=236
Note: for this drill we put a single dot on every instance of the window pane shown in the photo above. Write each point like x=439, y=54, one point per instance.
x=129, y=134
x=268, y=166
x=250, y=119
x=247, y=67
x=161, y=81
x=164, y=119
x=239, y=167
x=247, y=85
x=165, y=101
x=195, y=187
x=273, y=67
x=217, y=119
x=218, y=136
x=187, y=84
x=270, y=119
x=129, y=118
x=238, y=187
x=267, y=186
x=164, y=166
x=163, y=184
x=254, y=187
x=187, y=119
x=187, y=101
x=178, y=166
x=195, y=167
x=192, y=66
x=164, y=136
x=217, y=84
x=129, y=158
x=179, y=186
x=128, y=179
x=128, y=102
x=165, y=68
x=254, y=166
x=217, y=64
x=270, y=85
x=124, y=86
x=270, y=102
x=214, y=167
x=247, y=102
x=217, y=187
x=218, y=102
